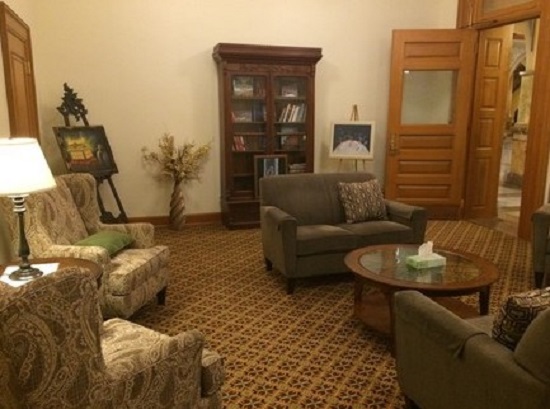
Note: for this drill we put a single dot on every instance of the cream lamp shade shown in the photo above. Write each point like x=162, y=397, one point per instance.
x=23, y=167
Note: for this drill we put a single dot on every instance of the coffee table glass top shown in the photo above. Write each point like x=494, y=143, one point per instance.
x=392, y=263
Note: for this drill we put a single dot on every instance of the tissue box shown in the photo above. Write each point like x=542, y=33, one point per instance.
x=433, y=260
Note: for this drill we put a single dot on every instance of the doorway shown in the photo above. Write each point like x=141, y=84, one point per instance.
x=522, y=59
x=15, y=42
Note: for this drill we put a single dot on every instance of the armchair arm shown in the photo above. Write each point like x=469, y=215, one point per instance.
x=464, y=367
x=142, y=233
x=279, y=231
x=541, y=226
x=415, y=217
x=173, y=362
x=96, y=254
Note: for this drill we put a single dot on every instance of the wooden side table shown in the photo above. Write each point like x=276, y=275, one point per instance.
x=64, y=262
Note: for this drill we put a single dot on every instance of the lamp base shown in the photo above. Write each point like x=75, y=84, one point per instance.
x=25, y=273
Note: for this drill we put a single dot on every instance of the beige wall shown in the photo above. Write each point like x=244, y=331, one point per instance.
x=145, y=67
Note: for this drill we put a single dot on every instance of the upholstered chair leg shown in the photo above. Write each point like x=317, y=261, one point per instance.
x=290, y=285
x=161, y=297
x=268, y=264
x=539, y=278
x=410, y=404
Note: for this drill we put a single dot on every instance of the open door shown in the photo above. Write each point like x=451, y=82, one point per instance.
x=431, y=82
x=488, y=122
x=15, y=39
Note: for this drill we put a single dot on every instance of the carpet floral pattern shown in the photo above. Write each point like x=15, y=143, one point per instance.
x=303, y=350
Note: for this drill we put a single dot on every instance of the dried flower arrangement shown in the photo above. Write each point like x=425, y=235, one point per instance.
x=181, y=163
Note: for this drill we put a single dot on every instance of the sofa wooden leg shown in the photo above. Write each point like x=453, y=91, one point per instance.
x=290, y=285
x=410, y=404
x=539, y=278
x=161, y=297
x=268, y=264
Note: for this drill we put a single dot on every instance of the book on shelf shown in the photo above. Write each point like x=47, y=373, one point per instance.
x=259, y=87
x=239, y=143
x=258, y=113
x=243, y=115
x=292, y=142
x=283, y=113
x=243, y=86
x=289, y=129
x=293, y=113
x=297, y=168
x=289, y=90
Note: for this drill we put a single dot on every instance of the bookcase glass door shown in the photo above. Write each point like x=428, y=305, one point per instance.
x=290, y=129
x=248, y=129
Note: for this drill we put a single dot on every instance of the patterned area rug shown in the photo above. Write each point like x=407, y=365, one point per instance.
x=305, y=350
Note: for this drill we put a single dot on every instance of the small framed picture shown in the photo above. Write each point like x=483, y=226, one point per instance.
x=352, y=140
x=268, y=165
x=86, y=149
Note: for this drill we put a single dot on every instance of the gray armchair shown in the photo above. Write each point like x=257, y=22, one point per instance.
x=541, y=245
x=57, y=352
x=444, y=361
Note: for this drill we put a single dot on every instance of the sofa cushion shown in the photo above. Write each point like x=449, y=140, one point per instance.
x=319, y=239
x=112, y=241
x=362, y=201
x=133, y=267
x=517, y=313
x=532, y=352
x=379, y=232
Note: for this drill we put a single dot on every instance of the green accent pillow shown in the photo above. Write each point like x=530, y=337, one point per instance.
x=112, y=241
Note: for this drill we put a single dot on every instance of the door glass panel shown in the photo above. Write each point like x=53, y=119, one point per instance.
x=493, y=5
x=428, y=97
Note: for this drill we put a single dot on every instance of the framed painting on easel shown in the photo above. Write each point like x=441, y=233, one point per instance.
x=352, y=140
x=86, y=149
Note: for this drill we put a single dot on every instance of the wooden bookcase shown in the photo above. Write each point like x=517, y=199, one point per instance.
x=267, y=106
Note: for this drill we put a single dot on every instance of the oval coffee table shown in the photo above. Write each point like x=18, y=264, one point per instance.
x=380, y=271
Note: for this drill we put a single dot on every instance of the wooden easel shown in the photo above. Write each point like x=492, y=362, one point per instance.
x=354, y=117
x=74, y=106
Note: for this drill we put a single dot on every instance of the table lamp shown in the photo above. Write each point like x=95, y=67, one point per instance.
x=23, y=170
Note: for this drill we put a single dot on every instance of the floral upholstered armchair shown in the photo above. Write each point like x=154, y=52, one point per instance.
x=58, y=220
x=57, y=352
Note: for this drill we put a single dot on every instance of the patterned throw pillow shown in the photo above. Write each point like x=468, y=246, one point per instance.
x=517, y=313
x=362, y=201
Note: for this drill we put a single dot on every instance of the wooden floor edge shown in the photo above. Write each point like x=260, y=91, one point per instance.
x=192, y=219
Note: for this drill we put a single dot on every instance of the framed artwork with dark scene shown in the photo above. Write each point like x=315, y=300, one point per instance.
x=352, y=140
x=86, y=149
x=267, y=165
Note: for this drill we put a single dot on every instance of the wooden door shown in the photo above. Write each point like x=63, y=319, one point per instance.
x=488, y=122
x=15, y=40
x=430, y=98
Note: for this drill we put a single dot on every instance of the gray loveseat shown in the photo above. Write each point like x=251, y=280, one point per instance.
x=304, y=230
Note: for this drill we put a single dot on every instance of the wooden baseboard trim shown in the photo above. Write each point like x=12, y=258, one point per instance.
x=192, y=219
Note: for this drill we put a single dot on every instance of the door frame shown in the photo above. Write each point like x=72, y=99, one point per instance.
x=538, y=139
x=12, y=24
x=487, y=122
